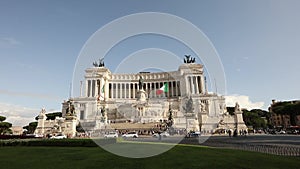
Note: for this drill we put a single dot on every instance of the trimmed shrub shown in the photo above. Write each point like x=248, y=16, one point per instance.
x=58, y=143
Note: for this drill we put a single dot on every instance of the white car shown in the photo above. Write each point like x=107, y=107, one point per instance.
x=282, y=132
x=111, y=135
x=38, y=136
x=163, y=134
x=130, y=134
x=60, y=136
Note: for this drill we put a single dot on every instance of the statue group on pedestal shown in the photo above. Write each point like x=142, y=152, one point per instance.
x=237, y=108
x=188, y=108
x=100, y=64
x=202, y=107
x=141, y=83
x=101, y=113
x=189, y=59
x=70, y=111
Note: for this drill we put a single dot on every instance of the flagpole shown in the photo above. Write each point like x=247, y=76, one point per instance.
x=167, y=93
x=70, y=91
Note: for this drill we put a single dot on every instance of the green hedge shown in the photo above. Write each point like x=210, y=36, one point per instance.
x=59, y=143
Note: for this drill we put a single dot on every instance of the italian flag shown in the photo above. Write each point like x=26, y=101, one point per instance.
x=101, y=97
x=163, y=89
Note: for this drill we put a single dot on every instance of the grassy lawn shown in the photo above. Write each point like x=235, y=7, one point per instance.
x=183, y=157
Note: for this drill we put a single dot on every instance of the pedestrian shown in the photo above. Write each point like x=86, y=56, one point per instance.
x=229, y=132
x=159, y=136
x=235, y=133
x=245, y=132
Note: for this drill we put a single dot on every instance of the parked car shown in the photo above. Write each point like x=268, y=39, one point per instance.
x=59, y=136
x=163, y=134
x=282, y=132
x=130, y=134
x=39, y=136
x=111, y=135
x=271, y=131
x=295, y=132
x=193, y=134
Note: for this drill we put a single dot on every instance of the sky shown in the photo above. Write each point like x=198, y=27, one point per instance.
x=257, y=41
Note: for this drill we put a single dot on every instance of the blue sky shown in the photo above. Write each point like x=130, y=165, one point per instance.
x=257, y=41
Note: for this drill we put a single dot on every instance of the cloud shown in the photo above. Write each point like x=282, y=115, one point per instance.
x=244, y=102
x=32, y=95
x=9, y=42
x=18, y=115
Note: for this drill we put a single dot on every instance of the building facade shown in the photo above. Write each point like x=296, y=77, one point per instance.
x=108, y=100
x=283, y=120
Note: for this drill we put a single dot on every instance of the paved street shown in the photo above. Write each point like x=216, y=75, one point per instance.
x=290, y=140
x=273, y=144
x=287, y=140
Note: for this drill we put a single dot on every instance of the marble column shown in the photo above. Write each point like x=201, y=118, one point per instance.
x=96, y=87
x=178, y=88
x=196, y=84
x=112, y=90
x=133, y=90
x=125, y=90
x=106, y=89
x=86, y=88
x=191, y=85
x=92, y=88
x=199, y=84
x=117, y=90
x=129, y=90
x=203, y=86
x=121, y=90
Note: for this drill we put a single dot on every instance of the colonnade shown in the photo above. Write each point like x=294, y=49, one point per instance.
x=195, y=84
x=92, y=88
x=128, y=90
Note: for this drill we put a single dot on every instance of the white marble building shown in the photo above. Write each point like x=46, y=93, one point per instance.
x=118, y=98
x=60, y=125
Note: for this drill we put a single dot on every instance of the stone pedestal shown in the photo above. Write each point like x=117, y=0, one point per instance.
x=70, y=127
x=142, y=95
x=40, y=129
x=240, y=124
x=192, y=123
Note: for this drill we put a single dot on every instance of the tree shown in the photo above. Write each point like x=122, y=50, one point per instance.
x=2, y=118
x=30, y=127
x=51, y=116
x=5, y=126
x=255, y=118
x=230, y=110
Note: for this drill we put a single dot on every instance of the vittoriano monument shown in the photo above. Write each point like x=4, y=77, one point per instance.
x=132, y=99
